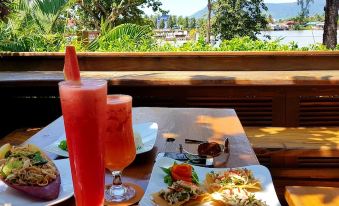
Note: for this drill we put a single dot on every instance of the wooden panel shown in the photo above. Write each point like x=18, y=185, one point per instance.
x=320, y=110
x=175, y=61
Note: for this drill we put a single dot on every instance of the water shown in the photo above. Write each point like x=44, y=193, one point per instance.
x=302, y=38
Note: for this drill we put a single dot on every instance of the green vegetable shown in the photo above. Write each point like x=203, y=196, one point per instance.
x=168, y=178
x=195, y=177
x=38, y=159
x=9, y=166
x=63, y=145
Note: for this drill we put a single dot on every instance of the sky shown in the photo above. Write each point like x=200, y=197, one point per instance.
x=189, y=7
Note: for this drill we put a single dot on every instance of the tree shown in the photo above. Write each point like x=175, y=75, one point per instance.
x=331, y=22
x=154, y=20
x=175, y=20
x=115, y=12
x=43, y=14
x=270, y=19
x=186, y=22
x=193, y=23
x=170, y=23
x=162, y=24
x=181, y=21
x=238, y=18
x=304, y=9
x=209, y=8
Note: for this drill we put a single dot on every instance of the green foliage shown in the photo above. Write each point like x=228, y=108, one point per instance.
x=238, y=18
x=27, y=39
x=181, y=21
x=114, y=11
x=162, y=24
x=186, y=23
x=193, y=23
x=170, y=22
x=34, y=27
x=125, y=37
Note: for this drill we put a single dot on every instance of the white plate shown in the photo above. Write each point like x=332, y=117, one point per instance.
x=148, y=132
x=156, y=182
x=16, y=198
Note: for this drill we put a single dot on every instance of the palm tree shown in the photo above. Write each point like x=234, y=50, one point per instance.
x=43, y=13
x=107, y=34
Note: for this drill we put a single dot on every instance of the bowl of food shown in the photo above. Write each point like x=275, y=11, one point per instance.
x=30, y=171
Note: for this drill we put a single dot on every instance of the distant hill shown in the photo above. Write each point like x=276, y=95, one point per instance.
x=281, y=10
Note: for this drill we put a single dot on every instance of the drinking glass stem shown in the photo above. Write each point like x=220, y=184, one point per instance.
x=117, y=188
x=117, y=178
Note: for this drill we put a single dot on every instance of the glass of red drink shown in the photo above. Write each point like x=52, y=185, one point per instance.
x=84, y=111
x=119, y=145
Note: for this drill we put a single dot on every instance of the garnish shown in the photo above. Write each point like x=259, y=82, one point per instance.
x=38, y=159
x=178, y=172
x=71, y=67
x=63, y=145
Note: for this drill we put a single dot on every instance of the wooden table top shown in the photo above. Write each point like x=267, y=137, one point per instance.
x=312, y=196
x=177, y=123
x=179, y=78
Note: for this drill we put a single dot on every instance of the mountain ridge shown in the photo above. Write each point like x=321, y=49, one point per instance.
x=281, y=10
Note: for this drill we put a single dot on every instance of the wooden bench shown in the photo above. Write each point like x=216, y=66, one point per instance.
x=296, y=147
x=298, y=156
x=312, y=196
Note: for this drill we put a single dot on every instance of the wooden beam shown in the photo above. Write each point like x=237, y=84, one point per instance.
x=174, y=61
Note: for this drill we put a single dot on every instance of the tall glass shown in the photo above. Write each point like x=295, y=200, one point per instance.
x=84, y=111
x=119, y=146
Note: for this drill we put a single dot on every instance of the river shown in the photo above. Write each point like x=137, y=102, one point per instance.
x=302, y=37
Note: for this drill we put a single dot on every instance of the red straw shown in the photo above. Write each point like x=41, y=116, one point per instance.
x=71, y=67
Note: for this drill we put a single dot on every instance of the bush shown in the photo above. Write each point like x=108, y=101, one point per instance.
x=130, y=38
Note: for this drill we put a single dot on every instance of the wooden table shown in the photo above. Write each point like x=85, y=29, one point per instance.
x=312, y=196
x=177, y=123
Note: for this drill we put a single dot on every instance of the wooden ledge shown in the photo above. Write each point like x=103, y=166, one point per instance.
x=182, y=78
x=175, y=54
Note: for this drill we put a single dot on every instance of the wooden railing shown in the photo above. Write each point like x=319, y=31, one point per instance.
x=175, y=61
x=265, y=88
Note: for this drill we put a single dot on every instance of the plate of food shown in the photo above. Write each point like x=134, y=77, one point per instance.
x=145, y=135
x=29, y=177
x=175, y=183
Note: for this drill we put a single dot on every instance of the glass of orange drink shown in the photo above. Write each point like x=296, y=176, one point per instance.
x=119, y=145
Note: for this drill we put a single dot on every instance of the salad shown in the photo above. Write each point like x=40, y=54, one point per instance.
x=233, y=187
x=233, y=178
